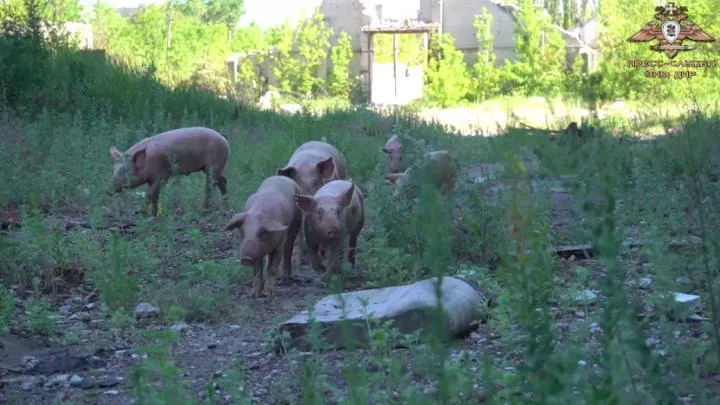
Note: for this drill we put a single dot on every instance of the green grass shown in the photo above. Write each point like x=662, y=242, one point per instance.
x=536, y=347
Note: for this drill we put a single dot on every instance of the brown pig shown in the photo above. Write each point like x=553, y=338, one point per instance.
x=335, y=211
x=394, y=151
x=152, y=161
x=439, y=168
x=312, y=165
x=268, y=225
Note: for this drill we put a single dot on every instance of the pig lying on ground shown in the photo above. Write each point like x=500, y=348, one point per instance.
x=335, y=211
x=311, y=166
x=177, y=152
x=438, y=169
x=269, y=225
x=393, y=150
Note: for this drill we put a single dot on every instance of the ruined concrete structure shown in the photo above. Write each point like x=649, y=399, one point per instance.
x=397, y=84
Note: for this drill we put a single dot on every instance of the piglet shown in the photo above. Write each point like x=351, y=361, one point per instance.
x=394, y=151
x=268, y=224
x=335, y=211
x=312, y=165
x=438, y=168
x=177, y=152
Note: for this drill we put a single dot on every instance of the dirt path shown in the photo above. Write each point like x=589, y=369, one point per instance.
x=100, y=370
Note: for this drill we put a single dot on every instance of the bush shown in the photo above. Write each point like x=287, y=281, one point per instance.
x=446, y=77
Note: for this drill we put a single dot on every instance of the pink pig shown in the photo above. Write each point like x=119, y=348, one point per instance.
x=268, y=225
x=394, y=151
x=151, y=161
x=312, y=165
x=335, y=211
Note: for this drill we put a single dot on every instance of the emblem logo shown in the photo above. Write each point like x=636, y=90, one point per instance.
x=671, y=29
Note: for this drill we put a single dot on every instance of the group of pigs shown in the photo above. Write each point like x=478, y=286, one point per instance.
x=313, y=188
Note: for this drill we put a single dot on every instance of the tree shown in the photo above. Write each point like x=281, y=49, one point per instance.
x=341, y=56
x=446, y=77
x=486, y=75
x=226, y=12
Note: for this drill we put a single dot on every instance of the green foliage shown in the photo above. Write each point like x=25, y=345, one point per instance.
x=541, y=53
x=486, y=76
x=410, y=49
x=446, y=77
x=299, y=53
x=341, y=57
x=542, y=346
x=619, y=20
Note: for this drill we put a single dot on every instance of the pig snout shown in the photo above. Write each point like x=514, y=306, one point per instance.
x=333, y=232
x=247, y=261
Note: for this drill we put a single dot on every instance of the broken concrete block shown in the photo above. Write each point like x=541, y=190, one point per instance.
x=291, y=109
x=566, y=251
x=685, y=305
x=688, y=301
x=410, y=307
x=586, y=297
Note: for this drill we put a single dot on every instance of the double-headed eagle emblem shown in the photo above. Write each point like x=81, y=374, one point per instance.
x=671, y=29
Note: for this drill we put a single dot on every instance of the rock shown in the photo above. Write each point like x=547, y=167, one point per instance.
x=59, y=364
x=65, y=310
x=645, y=282
x=76, y=380
x=82, y=316
x=687, y=243
x=145, y=310
x=291, y=109
x=60, y=379
x=267, y=99
x=587, y=297
x=697, y=318
x=180, y=327
x=30, y=383
x=109, y=382
x=234, y=327
x=683, y=280
x=112, y=392
x=409, y=306
x=685, y=306
x=631, y=243
x=30, y=361
x=90, y=306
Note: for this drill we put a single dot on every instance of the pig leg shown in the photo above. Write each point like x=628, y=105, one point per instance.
x=208, y=189
x=272, y=268
x=334, y=251
x=220, y=181
x=153, y=195
x=295, y=255
x=257, y=280
x=352, y=244
x=317, y=265
x=222, y=184
x=288, y=245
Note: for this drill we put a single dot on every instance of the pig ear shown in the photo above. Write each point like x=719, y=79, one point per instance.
x=287, y=172
x=346, y=197
x=115, y=153
x=306, y=203
x=235, y=222
x=326, y=168
x=138, y=158
x=271, y=226
x=384, y=150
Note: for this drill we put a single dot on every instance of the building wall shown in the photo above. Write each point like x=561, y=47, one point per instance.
x=458, y=18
